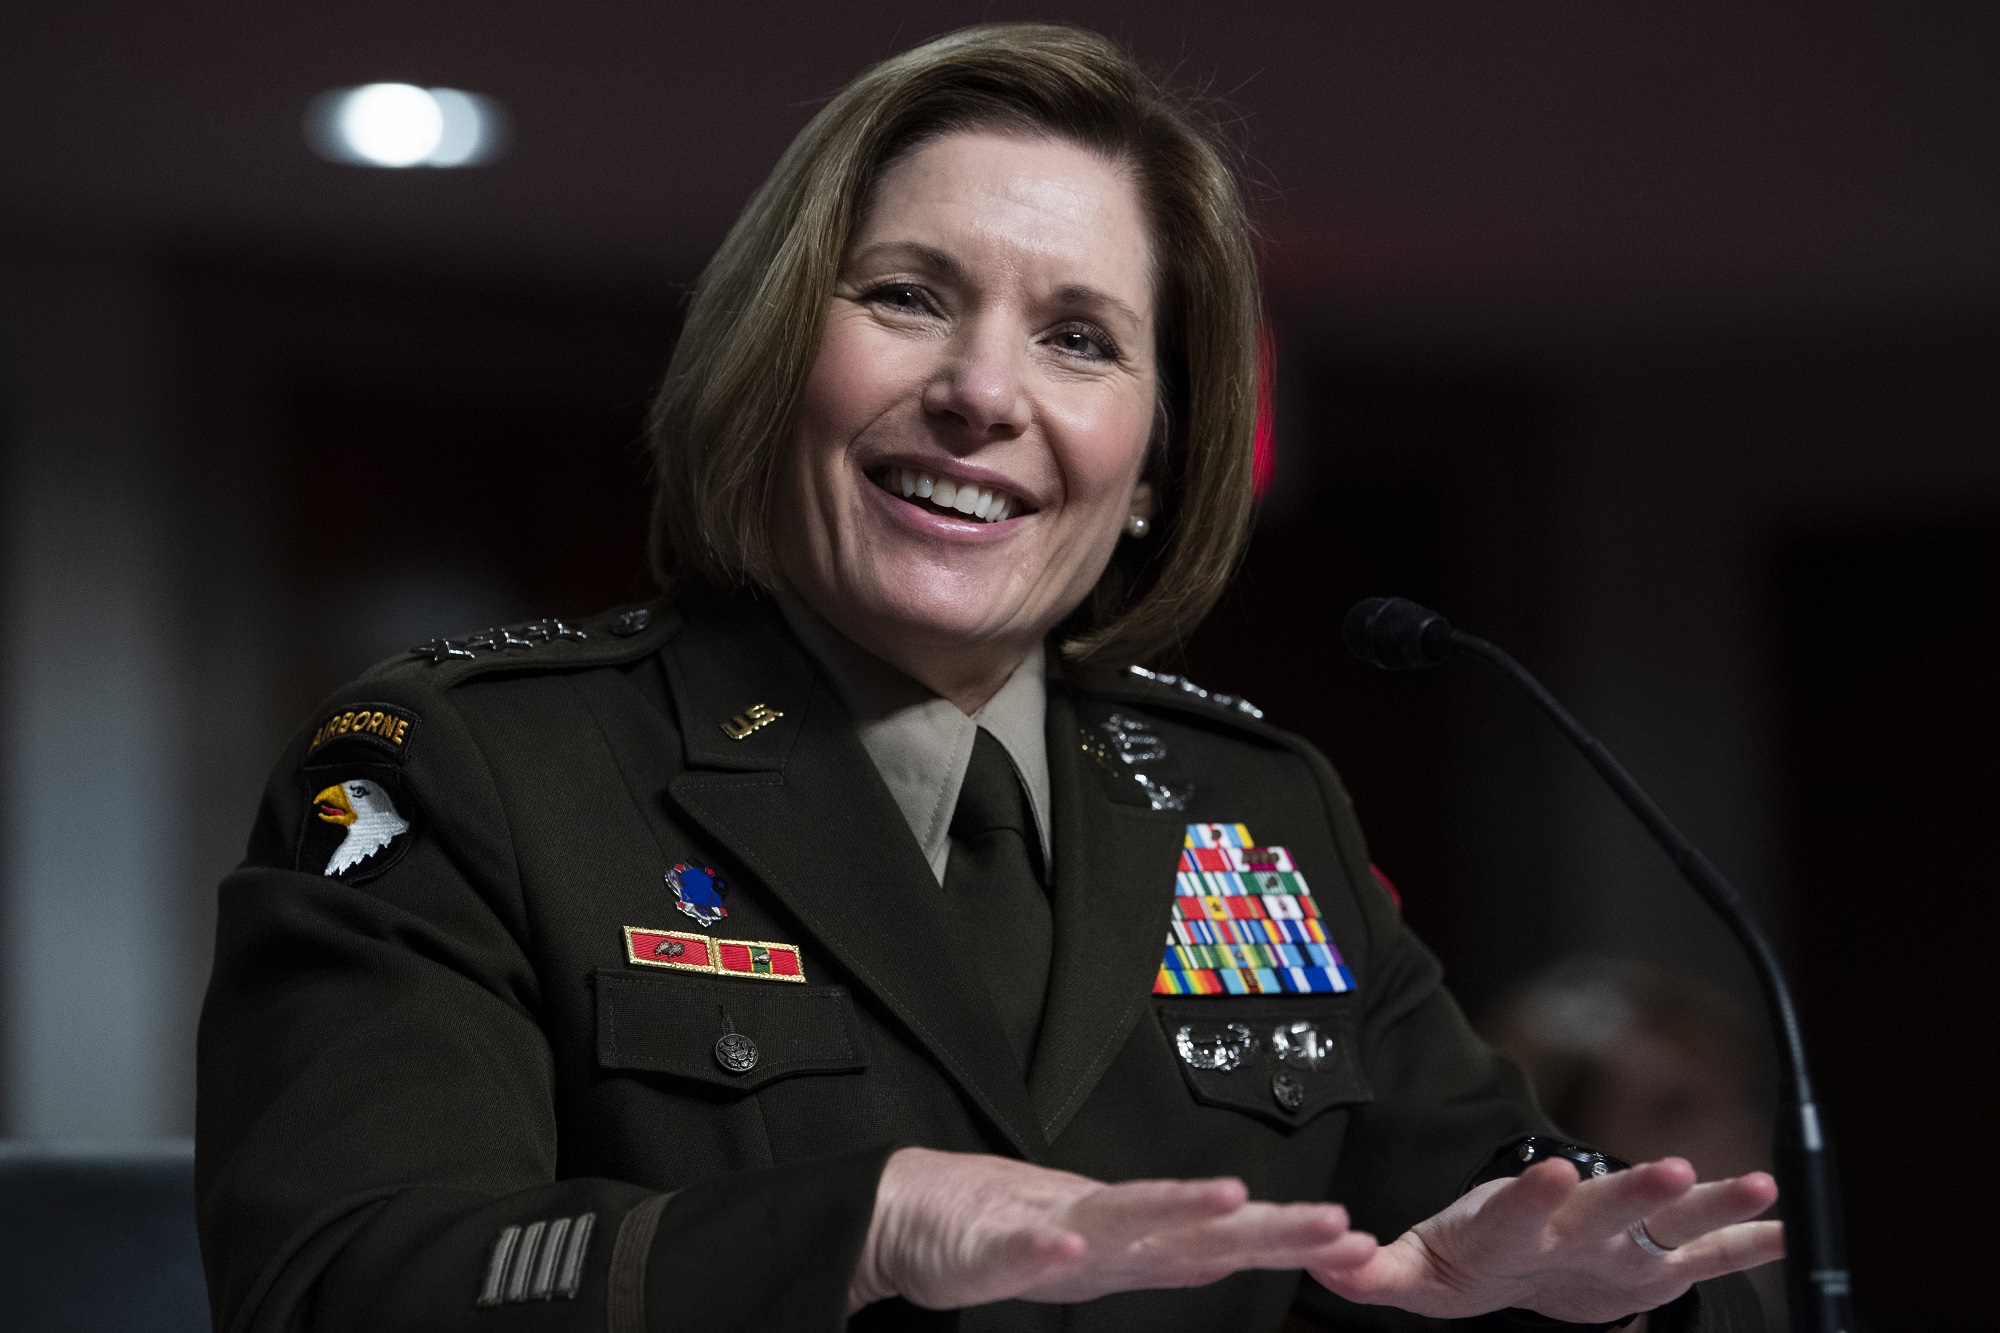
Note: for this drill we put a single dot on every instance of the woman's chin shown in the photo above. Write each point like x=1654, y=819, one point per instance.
x=916, y=613
x=950, y=625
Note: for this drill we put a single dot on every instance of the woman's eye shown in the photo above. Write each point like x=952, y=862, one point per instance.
x=901, y=296
x=1085, y=343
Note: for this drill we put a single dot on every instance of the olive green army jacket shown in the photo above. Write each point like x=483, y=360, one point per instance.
x=583, y=977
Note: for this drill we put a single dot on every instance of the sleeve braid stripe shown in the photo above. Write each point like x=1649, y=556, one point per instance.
x=626, y=1298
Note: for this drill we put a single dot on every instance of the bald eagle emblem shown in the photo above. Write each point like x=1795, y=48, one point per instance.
x=370, y=817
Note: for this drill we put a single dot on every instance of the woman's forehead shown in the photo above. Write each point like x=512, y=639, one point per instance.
x=1053, y=211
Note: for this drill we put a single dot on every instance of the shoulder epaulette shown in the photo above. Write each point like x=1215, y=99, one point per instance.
x=552, y=643
x=1232, y=702
x=1164, y=689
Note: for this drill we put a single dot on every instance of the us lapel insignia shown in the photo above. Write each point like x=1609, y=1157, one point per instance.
x=359, y=819
x=757, y=960
x=750, y=721
x=698, y=892
x=1245, y=922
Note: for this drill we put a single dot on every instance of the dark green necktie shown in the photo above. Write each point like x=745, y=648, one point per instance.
x=993, y=888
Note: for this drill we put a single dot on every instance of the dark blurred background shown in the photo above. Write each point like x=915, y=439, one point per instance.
x=1657, y=343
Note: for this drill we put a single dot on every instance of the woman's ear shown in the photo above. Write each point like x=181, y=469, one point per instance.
x=1143, y=505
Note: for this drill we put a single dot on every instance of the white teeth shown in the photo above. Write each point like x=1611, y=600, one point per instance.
x=981, y=502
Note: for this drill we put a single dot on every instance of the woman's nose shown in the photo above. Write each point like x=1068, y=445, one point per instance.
x=982, y=381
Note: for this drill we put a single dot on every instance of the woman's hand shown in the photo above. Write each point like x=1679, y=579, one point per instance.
x=958, y=1229
x=1546, y=1242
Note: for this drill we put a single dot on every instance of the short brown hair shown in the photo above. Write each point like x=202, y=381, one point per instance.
x=729, y=405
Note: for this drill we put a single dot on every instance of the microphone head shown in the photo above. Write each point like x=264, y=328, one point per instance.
x=1396, y=634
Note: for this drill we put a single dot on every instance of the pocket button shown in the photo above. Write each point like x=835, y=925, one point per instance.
x=1289, y=1089
x=736, y=1052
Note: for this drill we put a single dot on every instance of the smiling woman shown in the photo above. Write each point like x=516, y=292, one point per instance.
x=819, y=939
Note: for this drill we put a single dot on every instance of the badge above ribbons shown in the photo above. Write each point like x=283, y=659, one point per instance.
x=359, y=820
x=1245, y=922
x=698, y=892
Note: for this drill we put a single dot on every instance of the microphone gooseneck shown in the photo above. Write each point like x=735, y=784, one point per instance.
x=1396, y=634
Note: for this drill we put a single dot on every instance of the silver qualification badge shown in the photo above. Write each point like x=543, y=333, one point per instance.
x=1301, y=1045
x=1218, y=1046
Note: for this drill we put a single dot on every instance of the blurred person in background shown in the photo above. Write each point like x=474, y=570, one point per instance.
x=1646, y=1062
x=827, y=937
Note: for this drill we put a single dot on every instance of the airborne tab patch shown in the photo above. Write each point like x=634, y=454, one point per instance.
x=384, y=725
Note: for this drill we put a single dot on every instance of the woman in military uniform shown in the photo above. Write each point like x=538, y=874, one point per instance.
x=828, y=937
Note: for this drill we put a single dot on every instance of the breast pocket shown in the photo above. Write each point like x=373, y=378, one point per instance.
x=730, y=1034
x=1282, y=1060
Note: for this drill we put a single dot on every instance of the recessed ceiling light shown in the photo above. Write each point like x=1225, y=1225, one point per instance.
x=402, y=125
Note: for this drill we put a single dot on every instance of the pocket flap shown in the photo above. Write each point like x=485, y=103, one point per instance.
x=677, y=1025
x=1279, y=1060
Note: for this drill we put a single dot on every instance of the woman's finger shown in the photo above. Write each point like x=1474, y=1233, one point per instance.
x=1392, y=1275
x=1351, y=1253
x=1611, y=1204
x=1515, y=1214
x=1120, y=1214
x=1706, y=1207
x=1728, y=1249
x=1266, y=1235
x=1256, y=1236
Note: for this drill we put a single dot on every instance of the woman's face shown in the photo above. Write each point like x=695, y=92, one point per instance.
x=971, y=436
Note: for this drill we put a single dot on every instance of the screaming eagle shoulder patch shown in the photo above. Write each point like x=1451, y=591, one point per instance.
x=358, y=820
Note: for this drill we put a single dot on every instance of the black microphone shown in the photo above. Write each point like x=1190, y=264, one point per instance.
x=1396, y=634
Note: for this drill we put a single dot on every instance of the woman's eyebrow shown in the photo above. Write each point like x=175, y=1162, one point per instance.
x=1076, y=294
x=924, y=256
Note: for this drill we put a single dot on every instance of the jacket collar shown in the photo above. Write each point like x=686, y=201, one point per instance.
x=740, y=686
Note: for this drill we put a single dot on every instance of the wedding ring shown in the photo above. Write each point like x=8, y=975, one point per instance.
x=1644, y=1240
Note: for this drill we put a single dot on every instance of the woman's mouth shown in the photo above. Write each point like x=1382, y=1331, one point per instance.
x=941, y=495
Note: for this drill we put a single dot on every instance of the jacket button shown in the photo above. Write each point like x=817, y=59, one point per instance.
x=736, y=1052
x=1289, y=1089
x=631, y=622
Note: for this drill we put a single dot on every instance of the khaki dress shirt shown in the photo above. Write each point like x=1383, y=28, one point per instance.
x=921, y=743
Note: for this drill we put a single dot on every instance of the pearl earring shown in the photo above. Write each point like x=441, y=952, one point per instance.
x=1138, y=525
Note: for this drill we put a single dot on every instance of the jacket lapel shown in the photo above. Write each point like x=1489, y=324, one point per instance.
x=800, y=803
x=1114, y=889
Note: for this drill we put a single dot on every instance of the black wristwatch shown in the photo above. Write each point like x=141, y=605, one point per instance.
x=1511, y=1159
